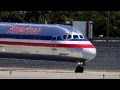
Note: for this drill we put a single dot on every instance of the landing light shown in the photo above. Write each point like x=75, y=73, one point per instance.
x=80, y=63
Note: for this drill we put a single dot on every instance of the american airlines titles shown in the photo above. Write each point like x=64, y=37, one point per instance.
x=23, y=30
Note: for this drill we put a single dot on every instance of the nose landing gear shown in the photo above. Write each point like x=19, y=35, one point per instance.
x=79, y=67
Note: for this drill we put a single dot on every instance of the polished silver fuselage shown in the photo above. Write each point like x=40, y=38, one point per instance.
x=44, y=40
x=53, y=50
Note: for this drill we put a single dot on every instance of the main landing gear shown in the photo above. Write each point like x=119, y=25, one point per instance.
x=79, y=67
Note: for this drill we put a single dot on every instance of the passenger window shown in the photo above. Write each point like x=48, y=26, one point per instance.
x=75, y=36
x=81, y=36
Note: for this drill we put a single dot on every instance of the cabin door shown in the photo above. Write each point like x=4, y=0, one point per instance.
x=53, y=45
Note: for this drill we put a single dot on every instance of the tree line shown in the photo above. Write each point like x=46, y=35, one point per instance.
x=99, y=18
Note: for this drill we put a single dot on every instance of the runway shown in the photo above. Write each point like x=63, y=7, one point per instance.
x=56, y=74
x=35, y=67
x=12, y=68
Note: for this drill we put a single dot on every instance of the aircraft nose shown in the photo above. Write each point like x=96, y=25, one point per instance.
x=89, y=53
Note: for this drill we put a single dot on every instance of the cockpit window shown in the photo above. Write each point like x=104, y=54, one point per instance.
x=75, y=36
x=69, y=36
x=81, y=36
x=64, y=37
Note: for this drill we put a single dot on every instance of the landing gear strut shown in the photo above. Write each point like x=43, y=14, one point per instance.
x=79, y=67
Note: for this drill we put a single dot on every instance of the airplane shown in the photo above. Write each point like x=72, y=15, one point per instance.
x=46, y=39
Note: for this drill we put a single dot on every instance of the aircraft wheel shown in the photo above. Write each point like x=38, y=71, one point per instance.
x=79, y=69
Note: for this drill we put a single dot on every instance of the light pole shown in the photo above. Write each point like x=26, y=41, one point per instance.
x=108, y=22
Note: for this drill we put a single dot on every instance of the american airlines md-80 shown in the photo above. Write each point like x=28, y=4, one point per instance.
x=46, y=39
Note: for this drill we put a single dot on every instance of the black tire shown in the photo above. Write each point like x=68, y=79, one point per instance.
x=79, y=69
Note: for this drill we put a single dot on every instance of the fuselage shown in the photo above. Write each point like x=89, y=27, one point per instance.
x=45, y=39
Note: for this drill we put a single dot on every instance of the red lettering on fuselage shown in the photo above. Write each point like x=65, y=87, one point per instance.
x=23, y=30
